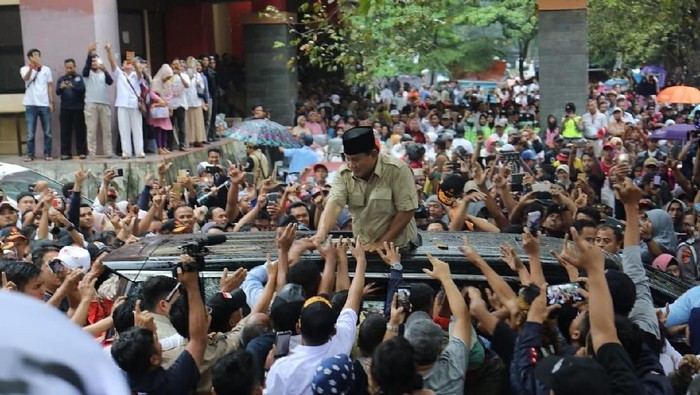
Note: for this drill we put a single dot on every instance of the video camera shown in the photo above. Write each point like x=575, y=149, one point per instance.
x=197, y=249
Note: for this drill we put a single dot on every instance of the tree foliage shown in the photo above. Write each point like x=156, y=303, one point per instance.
x=380, y=38
x=644, y=32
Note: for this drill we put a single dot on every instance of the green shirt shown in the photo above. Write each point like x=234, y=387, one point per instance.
x=374, y=203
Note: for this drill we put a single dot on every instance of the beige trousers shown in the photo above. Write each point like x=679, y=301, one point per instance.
x=98, y=114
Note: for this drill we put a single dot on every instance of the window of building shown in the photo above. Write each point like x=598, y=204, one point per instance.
x=11, y=51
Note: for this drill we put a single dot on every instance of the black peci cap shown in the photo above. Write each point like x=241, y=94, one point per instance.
x=358, y=140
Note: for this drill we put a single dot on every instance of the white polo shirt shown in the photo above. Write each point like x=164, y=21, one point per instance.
x=126, y=96
x=37, y=86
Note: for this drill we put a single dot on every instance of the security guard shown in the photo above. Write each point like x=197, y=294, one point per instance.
x=379, y=191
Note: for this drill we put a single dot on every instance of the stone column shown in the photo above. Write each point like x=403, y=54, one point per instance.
x=269, y=80
x=61, y=30
x=563, y=73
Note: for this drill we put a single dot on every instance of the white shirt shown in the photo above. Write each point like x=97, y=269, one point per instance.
x=593, y=123
x=126, y=96
x=292, y=375
x=191, y=94
x=178, y=99
x=37, y=86
x=96, y=88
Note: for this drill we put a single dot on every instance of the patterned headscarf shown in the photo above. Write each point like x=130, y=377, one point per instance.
x=335, y=375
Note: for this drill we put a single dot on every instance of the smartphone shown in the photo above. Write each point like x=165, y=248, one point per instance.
x=418, y=172
x=679, y=166
x=177, y=189
x=541, y=187
x=273, y=197
x=404, y=298
x=31, y=187
x=517, y=179
x=212, y=169
x=657, y=180
x=250, y=179
x=183, y=173
x=544, y=196
x=623, y=158
x=533, y=221
x=564, y=293
x=373, y=307
x=282, y=340
x=118, y=172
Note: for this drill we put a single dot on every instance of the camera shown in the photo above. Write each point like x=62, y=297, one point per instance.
x=196, y=249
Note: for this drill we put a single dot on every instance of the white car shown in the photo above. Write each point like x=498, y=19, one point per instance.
x=15, y=179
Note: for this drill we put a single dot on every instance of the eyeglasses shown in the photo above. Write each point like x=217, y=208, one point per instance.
x=172, y=293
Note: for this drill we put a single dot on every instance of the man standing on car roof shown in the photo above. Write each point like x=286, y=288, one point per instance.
x=379, y=192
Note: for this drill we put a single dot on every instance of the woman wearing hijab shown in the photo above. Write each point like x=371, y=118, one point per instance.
x=658, y=236
x=161, y=93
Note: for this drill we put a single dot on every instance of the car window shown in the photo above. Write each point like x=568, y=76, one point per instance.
x=15, y=183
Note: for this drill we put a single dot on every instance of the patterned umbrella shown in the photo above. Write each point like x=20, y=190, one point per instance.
x=264, y=132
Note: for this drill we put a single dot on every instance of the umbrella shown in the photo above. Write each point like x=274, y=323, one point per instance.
x=624, y=84
x=677, y=132
x=264, y=132
x=659, y=71
x=679, y=94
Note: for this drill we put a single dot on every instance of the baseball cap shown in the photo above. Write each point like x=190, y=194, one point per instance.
x=425, y=336
x=394, y=112
x=320, y=166
x=563, y=155
x=286, y=307
x=445, y=116
x=9, y=203
x=335, y=99
x=573, y=376
x=95, y=249
x=223, y=304
x=564, y=168
x=317, y=319
x=608, y=144
x=651, y=162
x=528, y=154
x=74, y=257
x=450, y=188
x=616, y=109
x=471, y=186
x=501, y=122
x=9, y=236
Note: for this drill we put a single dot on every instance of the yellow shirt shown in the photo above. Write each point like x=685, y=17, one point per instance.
x=374, y=203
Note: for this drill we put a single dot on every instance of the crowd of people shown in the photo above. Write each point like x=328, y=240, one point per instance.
x=173, y=109
x=417, y=158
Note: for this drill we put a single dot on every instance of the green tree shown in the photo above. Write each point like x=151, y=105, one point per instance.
x=381, y=38
x=516, y=18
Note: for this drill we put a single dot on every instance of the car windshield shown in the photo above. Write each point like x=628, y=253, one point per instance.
x=15, y=183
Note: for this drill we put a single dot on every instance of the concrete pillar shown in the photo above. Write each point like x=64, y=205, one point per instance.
x=61, y=30
x=269, y=80
x=563, y=54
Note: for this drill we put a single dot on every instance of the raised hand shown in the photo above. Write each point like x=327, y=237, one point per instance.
x=7, y=285
x=390, y=254
x=286, y=238
x=531, y=243
x=163, y=168
x=143, y=319
x=441, y=270
x=629, y=193
x=229, y=283
x=469, y=251
x=358, y=250
x=510, y=257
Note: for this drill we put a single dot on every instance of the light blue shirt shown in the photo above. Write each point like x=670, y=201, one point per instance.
x=254, y=284
x=301, y=158
x=679, y=311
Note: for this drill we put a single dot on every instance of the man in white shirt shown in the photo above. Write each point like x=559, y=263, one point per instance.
x=129, y=118
x=98, y=110
x=38, y=101
x=321, y=337
x=593, y=120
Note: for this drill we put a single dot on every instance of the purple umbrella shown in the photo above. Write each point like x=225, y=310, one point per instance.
x=674, y=132
x=659, y=71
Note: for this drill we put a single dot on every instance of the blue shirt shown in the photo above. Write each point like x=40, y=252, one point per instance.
x=301, y=158
x=679, y=311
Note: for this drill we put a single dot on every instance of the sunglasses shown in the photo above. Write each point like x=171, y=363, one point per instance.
x=172, y=293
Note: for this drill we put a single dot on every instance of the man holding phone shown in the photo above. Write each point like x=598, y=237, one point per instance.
x=379, y=192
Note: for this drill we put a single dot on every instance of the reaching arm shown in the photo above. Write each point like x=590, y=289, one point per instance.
x=397, y=225
x=328, y=218
x=197, y=318
x=441, y=272
x=354, y=300
x=110, y=57
x=342, y=277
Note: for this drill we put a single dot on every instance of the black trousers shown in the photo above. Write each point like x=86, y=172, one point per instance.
x=179, y=122
x=73, y=126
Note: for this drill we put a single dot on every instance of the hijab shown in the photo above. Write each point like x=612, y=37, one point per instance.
x=663, y=234
x=159, y=85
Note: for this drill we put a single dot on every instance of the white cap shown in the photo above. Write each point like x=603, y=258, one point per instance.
x=502, y=122
x=75, y=257
x=394, y=112
x=563, y=167
x=335, y=99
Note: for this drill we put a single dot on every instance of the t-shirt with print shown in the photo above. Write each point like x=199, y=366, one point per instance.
x=447, y=375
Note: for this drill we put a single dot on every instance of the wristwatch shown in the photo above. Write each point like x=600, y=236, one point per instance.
x=397, y=266
x=392, y=328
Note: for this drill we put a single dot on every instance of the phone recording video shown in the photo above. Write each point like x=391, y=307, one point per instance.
x=533, y=221
x=564, y=293
x=282, y=340
x=404, y=298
